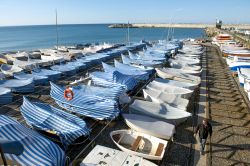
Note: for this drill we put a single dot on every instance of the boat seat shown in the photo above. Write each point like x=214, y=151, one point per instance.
x=118, y=137
x=135, y=145
x=159, y=149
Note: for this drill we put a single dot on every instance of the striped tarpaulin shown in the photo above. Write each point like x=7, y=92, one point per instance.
x=47, y=118
x=139, y=75
x=113, y=79
x=87, y=105
x=112, y=93
x=37, y=149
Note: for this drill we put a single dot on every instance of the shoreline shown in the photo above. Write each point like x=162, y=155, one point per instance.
x=180, y=25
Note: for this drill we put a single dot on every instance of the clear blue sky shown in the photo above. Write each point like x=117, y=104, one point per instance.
x=38, y=12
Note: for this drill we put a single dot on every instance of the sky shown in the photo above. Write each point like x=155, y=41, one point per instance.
x=42, y=12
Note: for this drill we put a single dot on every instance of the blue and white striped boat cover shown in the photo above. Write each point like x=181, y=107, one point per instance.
x=5, y=96
x=38, y=80
x=19, y=86
x=115, y=79
x=112, y=93
x=47, y=118
x=51, y=74
x=87, y=105
x=128, y=67
x=139, y=75
x=37, y=149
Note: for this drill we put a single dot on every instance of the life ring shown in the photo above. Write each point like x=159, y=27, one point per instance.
x=68, y=94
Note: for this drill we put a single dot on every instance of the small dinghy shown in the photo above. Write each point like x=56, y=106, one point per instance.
x=9, y=70
x=159, y=111
x=183, y=61
x=139, y=75
x=150, y=126
x=93, y=106
x=128, y=67
x=51, y=74
x=18, y=86
x=35, y=149
x=114, y=79
x=102, y=155
x=47, y=118
x=38, y=80
x=180, y=84
x=139, y=144
x=184, y=71
x=5, y=96
x=144, y=63
x=170, y=89
x=157, y=96
x=65, y=69
x=167, y=73
x=78, y=65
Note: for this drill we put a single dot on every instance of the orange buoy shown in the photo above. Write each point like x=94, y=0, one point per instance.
x=68, y=94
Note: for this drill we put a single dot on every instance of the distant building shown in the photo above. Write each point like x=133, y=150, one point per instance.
x=218, y=24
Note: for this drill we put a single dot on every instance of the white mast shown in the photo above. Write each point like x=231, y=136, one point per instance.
x=56, y=31
x=128, y=34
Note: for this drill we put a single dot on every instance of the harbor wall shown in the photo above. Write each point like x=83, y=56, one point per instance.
x=178, y=25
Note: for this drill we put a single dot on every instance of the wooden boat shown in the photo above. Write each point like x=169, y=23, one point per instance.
x=112, y=157
x=157, y=96
x=150, y=126
x=165, y=73
x=139, y=144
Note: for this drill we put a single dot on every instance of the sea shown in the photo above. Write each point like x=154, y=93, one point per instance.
x=27, y=38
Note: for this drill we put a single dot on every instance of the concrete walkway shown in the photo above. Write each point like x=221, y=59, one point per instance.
x=228, y=111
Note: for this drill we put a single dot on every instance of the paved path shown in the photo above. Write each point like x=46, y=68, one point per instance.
x=229, y=114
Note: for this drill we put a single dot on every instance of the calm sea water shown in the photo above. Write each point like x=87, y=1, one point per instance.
x=44, y=36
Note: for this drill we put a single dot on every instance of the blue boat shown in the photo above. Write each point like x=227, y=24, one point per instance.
x=47, y=118
x=114, y=79
x=37, y=150
x=5, y=96
x=93, y=106
x=139, y=75
x=51, y=74
x=38, y=80
x=18, y=86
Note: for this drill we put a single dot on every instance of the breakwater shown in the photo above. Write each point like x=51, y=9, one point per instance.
x=178, y=25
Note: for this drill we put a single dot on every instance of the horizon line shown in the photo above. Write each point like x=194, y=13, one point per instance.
x=115, y=23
